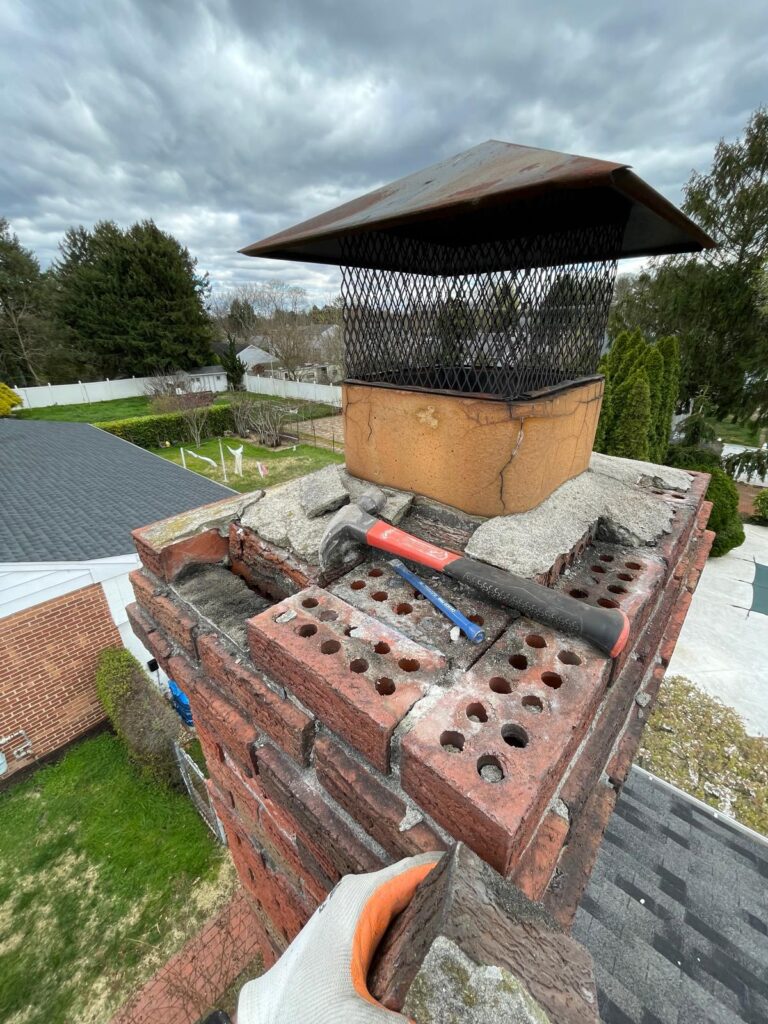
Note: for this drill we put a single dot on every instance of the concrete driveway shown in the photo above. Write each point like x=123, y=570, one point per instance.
x=723, y=646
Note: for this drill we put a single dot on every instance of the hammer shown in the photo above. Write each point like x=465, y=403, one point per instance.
x=354, y=524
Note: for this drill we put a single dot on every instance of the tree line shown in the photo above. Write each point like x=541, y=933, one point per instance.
x=131, y=302
x=715, y=302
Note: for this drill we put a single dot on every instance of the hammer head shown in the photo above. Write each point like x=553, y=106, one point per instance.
x=348, y=529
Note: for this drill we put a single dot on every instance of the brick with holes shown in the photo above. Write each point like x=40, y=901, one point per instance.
x=376, y=589
x=486, y=759
x=357, y=675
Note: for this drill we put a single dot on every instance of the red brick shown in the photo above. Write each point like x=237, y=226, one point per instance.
x=497, y=819
x=314, y=657
x=270, y=569
x=167, y=612
x=378, y=809
x=168, y=561
x=289, y=726
x=537, y=863
x=342, y=851
x=146, y=630
x=579, y=855
x=225, y=726
x=48, y=670
x=287, y=909
x=187, y=675
x=271, y=829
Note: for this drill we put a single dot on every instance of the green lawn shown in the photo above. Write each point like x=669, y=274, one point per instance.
x=103, y=876
x=285, y=464
x=90, y=412
x=737, y=433
x=125, y=408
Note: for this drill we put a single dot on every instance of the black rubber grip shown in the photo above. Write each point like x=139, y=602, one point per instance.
x=607, y=628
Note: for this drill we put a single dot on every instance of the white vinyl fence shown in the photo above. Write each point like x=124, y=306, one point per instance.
x=329, y=393
x=132, y=387
x=105, y=390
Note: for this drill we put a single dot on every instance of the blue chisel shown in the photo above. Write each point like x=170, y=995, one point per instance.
x=473, y=632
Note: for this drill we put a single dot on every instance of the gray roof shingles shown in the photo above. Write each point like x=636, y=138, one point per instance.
x=72, y=492
x=676, y=913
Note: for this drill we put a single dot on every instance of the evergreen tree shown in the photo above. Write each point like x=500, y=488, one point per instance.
x=654, y=367
x=131, y=300
x=712, y=300
x=604, y=422
x=24, y=324
x=669, y=348
x=632, y=425
x=234, y=366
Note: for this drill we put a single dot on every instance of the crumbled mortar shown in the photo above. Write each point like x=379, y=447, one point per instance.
x=449, y=988
x=222, y=597
x=280, y=517
x=607, y=495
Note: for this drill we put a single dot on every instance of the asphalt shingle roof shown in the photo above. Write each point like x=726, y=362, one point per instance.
x=676, y=913
x=72, y=492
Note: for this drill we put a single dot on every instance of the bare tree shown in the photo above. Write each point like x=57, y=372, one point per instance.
x=196, y=421
x=267, y=422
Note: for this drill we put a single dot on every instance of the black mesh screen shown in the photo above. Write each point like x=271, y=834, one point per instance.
x=500, y=318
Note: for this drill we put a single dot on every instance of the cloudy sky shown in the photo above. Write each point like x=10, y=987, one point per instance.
x=226, y=120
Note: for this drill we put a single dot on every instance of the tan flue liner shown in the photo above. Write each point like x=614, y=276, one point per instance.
x=485, y=457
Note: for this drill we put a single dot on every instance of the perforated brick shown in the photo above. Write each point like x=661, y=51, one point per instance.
x=485, y=761
x=359, y=676
x=376, y=589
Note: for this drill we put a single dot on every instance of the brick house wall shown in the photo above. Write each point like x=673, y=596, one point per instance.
x=47, y=672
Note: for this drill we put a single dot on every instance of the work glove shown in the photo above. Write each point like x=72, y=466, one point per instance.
x=321, y=978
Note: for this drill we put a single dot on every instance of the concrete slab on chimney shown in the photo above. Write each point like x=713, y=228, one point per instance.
x=296, y=514
x=322, y=492
x=607, y=498
x=634, y=471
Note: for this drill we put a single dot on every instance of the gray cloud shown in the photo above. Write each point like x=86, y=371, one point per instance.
x=230, y=119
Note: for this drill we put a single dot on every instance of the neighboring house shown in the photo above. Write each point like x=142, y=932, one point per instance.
x=208, y=378
x=70, y=494
x=256, y=359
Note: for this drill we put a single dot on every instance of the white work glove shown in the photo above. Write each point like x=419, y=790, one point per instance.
x=321, y=977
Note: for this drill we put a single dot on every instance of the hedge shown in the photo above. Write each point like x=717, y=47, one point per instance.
x=761, y=506
x=139, y=714
x=171, y=427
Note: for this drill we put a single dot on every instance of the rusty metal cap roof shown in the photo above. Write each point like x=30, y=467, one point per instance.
x=495, y=190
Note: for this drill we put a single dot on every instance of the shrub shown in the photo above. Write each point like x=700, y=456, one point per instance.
x=8, y=399
x=685, y=457
x=629, y=426
x=761, y=506
x=632, y=424
x=724, y=518
x=139, y=714
x=173, y=427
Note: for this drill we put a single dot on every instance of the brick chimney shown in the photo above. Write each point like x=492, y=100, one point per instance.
x=343, y=726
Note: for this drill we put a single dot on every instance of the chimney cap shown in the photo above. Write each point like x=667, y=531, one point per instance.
x=496, y=189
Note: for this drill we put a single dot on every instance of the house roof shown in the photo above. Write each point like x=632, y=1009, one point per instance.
x=72, y=492
x=252, y=355
x=676, y=912
x=492, y=191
